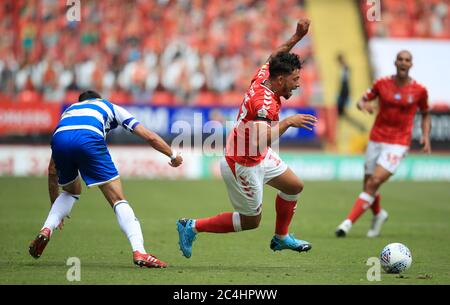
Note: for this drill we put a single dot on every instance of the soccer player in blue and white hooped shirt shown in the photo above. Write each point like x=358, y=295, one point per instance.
x=79, y=147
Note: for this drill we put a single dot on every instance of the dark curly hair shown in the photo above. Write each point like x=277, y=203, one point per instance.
x=87, y=95
x=283, y=64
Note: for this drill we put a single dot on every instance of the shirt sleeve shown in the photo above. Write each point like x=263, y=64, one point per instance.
x=262, y=73
x=124, y=118
x=372, y=92
x=423, y=102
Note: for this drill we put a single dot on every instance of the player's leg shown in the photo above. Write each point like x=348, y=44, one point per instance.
x=374, y=181
x=372, y=186
x=63, y=204
x=387, y=164
x=125, y=215
x=369, y=198
x=289, y=187
x=129, y=224
x=98, y=169
x=67, y=178
x=363, y=201
x=245, y=193
x=225, y=222
x=387, y=159
x=376, y=206
x=244, y=187
x=59, y=210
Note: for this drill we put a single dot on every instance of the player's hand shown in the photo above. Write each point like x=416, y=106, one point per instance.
x=425, y=141
x=302, y=27
x=306, y=121
x=364, y=107
x=177, y=161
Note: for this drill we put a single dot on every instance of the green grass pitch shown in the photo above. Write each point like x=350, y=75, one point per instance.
x=419, y=217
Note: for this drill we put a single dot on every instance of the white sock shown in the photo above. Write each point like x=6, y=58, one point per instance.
x=60, y=209
x=281, y=237
x=367, y=197
x=193, y=226
x=347, y=222
x=237, y=222
x=129, y=225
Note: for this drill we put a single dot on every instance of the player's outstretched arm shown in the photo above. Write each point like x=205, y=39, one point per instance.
x=266, y=134
x=53, y=187
x=426, y=128
x=159, y=144
x=300, y=32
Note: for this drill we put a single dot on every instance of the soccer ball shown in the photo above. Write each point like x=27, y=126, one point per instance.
x=395, y=258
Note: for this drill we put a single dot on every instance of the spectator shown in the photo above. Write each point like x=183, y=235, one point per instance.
x=181, y=46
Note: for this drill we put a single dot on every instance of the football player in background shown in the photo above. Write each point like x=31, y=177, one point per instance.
x=399, y=97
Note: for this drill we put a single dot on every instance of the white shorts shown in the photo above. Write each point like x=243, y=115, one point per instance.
x=246, y=188
x=387, y=155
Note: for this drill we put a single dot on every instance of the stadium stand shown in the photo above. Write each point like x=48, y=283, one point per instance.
x=144, y=52
x=411, y=18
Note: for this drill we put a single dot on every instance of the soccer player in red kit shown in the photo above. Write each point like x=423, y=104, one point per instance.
x=250, y=162
x=399, y=96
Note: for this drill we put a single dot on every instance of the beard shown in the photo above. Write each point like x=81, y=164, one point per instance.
x=287, y=95
x=287, y=92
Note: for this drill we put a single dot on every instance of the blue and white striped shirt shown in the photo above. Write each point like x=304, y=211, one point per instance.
x=97, y=115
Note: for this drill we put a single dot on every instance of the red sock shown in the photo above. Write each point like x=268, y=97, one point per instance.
x=222, y=223
x=376, y=206
x=285, y=211
x=360, y=206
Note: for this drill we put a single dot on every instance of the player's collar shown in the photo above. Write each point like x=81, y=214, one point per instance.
x=411, y=81
x=262, y=84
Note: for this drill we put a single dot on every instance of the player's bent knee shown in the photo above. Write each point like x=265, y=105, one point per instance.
x=298, y=188
x=374, y=182
x=73, y=192
x=250, y=222
x=294, y=189
x=249, y=225
x=73, y=188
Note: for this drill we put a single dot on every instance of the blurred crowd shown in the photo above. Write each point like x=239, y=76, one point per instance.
x=411, y=18
x=171, y=52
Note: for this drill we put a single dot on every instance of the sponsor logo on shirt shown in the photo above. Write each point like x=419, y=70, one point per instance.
x=262, y=113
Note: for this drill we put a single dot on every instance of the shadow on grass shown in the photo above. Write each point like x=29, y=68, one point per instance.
x=241, y=269
x=62, y=264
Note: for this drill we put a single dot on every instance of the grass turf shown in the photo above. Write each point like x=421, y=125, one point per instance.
x=419, y=217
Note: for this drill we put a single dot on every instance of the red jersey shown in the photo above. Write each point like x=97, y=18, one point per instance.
x=398, y=106
x=260, y=104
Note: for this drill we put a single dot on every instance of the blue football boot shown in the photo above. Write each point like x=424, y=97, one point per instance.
x=186, y=235
x=290, y=242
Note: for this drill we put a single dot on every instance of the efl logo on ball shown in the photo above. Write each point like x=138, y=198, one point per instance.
x=395, y=258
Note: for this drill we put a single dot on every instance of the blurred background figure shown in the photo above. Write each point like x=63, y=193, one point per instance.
x=343, y=98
